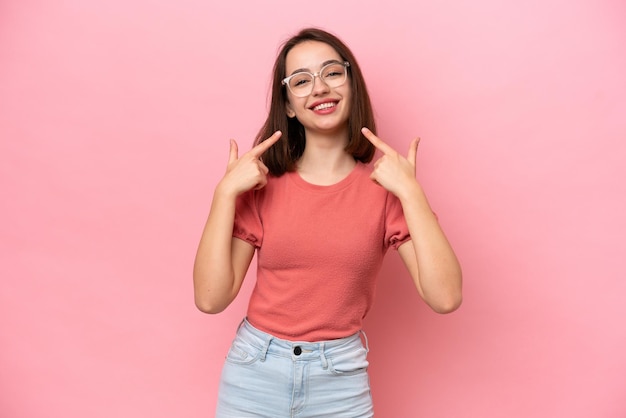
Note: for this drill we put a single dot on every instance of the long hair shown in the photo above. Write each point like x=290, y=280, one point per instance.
x=284, y=154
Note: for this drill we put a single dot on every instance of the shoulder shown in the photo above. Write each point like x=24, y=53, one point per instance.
x=364, y=172
x=272, y=192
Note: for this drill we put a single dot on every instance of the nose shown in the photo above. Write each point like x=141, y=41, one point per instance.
x=319, y=85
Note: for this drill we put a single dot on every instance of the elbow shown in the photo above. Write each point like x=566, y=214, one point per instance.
x=452, y=297
x=449, y=300
x=208, y=299
x=448, y=306
x=209, y=307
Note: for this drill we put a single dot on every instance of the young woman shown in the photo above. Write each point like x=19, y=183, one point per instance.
x=320, y=219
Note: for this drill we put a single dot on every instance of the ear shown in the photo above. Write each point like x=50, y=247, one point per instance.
x=289, y=110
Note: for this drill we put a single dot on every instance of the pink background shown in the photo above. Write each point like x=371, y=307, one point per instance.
x=114, y=125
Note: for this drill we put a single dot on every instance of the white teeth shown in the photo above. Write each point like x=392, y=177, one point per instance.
x=325, y=106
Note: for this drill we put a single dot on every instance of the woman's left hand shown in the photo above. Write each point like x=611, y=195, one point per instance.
x=393, y=171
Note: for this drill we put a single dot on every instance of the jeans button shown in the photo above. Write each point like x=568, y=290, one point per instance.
x=297, y=350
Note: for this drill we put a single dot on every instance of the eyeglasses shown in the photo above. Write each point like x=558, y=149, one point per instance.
x=333, y=75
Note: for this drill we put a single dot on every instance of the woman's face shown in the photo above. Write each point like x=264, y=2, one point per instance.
x=326, y=109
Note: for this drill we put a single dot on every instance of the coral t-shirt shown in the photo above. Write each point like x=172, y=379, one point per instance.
x=319, y=250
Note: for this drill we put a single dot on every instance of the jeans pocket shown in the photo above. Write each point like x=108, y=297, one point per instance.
x=241, y=352
x=349, y=362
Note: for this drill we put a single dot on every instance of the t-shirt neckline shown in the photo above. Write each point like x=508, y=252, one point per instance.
x=340, y=185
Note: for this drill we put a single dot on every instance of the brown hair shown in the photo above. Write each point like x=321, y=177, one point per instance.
x=282, y=156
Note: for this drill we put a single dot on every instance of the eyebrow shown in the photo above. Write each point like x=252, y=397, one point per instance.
x=307, y=70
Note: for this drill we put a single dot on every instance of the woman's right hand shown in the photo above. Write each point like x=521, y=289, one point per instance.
x=248, y=171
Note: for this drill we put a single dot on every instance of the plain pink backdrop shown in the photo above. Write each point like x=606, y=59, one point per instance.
x=114, y=125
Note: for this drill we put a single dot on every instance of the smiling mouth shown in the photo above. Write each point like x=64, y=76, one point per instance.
x=326, y=105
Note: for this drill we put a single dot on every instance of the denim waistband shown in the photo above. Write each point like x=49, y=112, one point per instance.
x=299, y=350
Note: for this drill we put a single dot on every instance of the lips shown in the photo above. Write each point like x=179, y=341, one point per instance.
x=323, y=105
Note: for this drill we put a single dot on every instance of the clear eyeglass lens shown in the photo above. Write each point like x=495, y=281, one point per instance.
x=334, y=75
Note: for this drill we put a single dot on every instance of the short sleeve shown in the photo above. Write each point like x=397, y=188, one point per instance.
x=248, y=226
x=396, y=229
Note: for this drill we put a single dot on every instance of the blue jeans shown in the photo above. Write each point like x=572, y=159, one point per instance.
x=264, y=376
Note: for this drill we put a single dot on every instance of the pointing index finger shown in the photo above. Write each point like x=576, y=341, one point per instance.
x=258, y=150
x=377, y=142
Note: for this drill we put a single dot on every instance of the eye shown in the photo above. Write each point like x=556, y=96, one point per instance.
x=300, y=80
x=333, y=71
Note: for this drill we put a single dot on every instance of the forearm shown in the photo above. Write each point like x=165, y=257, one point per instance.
x=437, y=274
x=213, y=273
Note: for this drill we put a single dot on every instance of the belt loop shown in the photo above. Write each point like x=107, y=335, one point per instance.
x=367, y=344
x=266, y=347
x=323, y=356
x=241, y=323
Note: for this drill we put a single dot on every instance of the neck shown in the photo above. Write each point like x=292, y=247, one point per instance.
x=324, y=161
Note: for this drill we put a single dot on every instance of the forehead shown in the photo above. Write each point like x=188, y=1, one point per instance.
x=309, y=55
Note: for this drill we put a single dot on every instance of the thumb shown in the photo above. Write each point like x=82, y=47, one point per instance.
x=233, y=154
x=412, y=155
